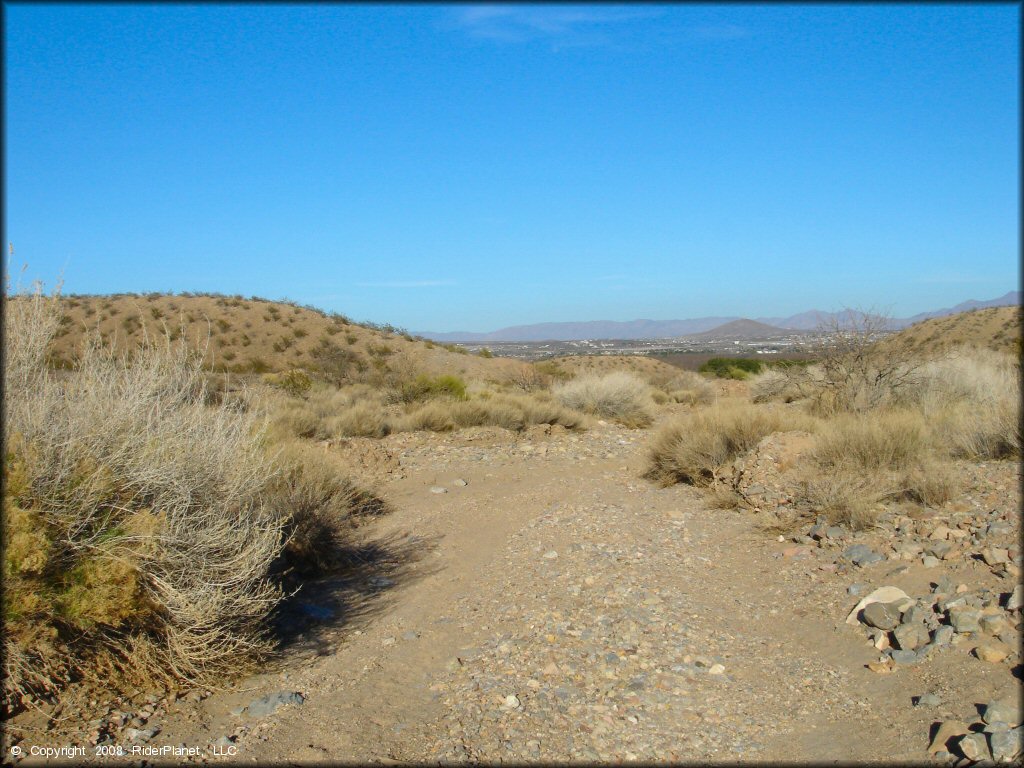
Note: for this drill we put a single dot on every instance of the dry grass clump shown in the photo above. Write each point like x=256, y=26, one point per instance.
x=620, y=396
x=689, y=388
x=971, y=398
x=327, y=412
x=862, y=460
x=931, y=483
x=134, y=513
x=430, y=417
x=362, y=419
x=843, y=497
x=850, y=493
x=515, y=412
x=881, y=440
x=694, y=448
x=980, y=433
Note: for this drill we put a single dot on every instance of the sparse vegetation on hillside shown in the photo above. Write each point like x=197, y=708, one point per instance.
x=994, y=328
x=255, y=336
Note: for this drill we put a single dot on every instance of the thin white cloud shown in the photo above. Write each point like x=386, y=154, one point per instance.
x=406, y=284
x=572, y=25
x=579, y=26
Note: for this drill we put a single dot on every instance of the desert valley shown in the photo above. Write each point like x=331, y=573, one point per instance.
x=437, y=555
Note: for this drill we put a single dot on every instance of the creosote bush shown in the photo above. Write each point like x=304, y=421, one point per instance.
x=423, y=387
x=135, y=514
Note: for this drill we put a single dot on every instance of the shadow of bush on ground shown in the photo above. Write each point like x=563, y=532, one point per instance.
x=315, y=616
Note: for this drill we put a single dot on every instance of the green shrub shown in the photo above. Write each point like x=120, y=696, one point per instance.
x=423, y=387
x=731, y=367
x=295, y=382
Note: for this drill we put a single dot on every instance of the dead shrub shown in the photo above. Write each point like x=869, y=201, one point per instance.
x=784, y=385
x=854, y=372
x=528, y=378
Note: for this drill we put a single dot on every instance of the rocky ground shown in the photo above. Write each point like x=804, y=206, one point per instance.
x=533, y=598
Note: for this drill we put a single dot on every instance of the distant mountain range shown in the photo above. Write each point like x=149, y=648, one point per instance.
x=707, y=327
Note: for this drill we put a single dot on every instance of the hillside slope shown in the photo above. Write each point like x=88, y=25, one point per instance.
x=648, y=368
x=257, y=335
x=996, y=328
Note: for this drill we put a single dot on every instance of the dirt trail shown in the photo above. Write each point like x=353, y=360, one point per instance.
x=557, y=606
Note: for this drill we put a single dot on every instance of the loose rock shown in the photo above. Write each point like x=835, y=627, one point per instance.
x=1003, y=711
x=1008, y=745
x=992, y=651
x=880, y=595
x=947, y=731
x=974, y=746
x=882, y=615
x=270, y=703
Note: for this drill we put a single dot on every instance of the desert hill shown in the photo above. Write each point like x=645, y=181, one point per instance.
x=258, y=335
x=648, y=368
x=743, y=329
x=996, y=328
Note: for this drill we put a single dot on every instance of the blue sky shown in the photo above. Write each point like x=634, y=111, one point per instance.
x=471, y=167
